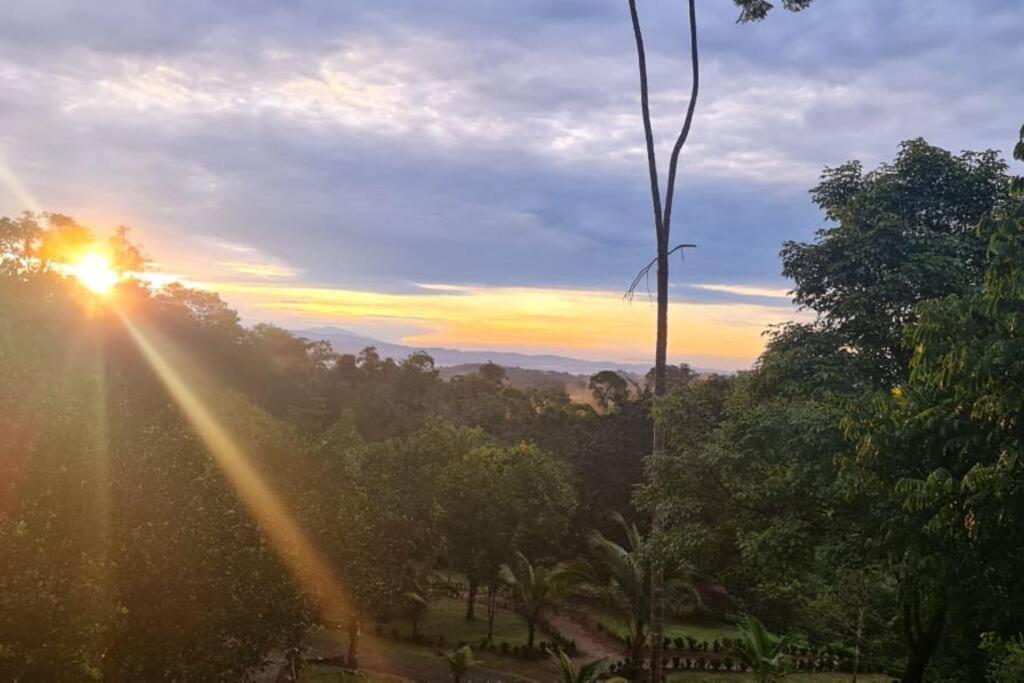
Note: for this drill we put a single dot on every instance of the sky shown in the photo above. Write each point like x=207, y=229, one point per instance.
x=471, y=173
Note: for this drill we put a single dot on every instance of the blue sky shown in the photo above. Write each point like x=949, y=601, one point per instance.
x=292, y=153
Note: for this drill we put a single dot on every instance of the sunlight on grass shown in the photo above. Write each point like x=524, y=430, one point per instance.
x=447, y=617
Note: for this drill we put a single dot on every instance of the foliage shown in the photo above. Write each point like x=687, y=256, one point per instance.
x=621, y=574
x=569, y=673
x=535, y=590
x=761, y=652
x=500, y=499
x=757, y=10
x=124, y=552
x=940, y=460
x=460, y=661
x=1007, y=657
x=905, y=234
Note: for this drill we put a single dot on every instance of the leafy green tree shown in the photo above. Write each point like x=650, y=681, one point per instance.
x=124, y=552
x=904, y=233
x=498, y=500
x=939, y=461
x=609, y=389
x=390, y=517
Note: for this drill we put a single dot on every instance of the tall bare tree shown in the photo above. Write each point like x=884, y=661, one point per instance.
x=662, y=230
x=750, y=10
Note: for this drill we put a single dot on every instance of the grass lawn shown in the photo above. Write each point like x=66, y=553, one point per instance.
x=418, y=662
x=699, y=629
x=447, y=617
x=699, y=677
x=332, y=674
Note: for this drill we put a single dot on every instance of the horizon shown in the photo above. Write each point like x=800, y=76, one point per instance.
x=335, y=167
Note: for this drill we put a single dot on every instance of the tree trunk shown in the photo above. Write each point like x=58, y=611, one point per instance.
x=662, y=229
x=530, y=629
x=657, y=573
x=471, y=600
x=922, y=632
x=637, y=654
x=492, y=608
x=415, y=626
x=856, y=654
x=355, y=627
x=916, y=666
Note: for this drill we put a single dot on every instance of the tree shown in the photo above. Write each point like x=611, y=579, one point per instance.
x=940, y=460
x=905, y=233
x=609, y=389
x=761, y=652
x=497, y=500
x=750, y=10
x=124, y=552
x=390, y=517
x=535, y=590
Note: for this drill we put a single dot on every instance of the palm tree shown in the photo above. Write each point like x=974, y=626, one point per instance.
x=535, y=589
x=460, y=661
x=568, y=673
x=761, y=651
x=623, y=575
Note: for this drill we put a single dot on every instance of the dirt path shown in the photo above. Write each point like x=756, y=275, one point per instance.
x=590, y=643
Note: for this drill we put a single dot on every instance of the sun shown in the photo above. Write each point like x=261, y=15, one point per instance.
x=94, y=271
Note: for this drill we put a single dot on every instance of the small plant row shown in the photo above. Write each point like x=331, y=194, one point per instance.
x=720, y=664
x=682, y=643
x=566, y=645
x=542, y=650
x=539, y=651
x=452, y=589
x=730, y=665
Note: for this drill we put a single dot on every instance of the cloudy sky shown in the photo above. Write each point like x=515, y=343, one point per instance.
x=470, y=173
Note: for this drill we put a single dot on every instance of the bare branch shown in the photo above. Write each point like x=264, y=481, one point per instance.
x=646, y=270
x=645, y=109
x=687, y=122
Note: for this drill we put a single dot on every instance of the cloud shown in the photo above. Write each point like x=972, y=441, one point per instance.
x=366, y=146
x=745, y=290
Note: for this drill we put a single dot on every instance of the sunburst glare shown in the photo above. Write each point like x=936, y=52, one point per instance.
x=94, y=270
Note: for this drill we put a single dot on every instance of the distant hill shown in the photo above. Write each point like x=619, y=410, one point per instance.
x=345, y=341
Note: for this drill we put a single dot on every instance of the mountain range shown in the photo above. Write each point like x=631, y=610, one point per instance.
x=345, y=341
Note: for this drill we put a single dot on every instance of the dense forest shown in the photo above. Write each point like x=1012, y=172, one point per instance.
x=184, y=498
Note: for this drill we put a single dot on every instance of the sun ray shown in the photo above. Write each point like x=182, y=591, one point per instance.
x=284, y=534
x=21, y=193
